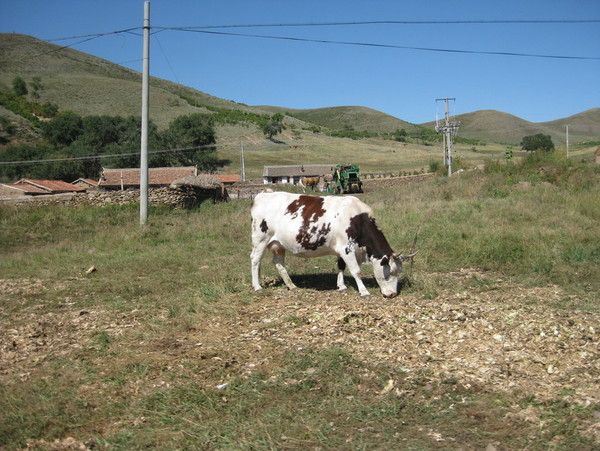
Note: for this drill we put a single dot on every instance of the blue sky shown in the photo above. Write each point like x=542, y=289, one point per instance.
x=403, y=83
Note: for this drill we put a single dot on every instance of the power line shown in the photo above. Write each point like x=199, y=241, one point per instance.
x=391, y=46
x=164, y=54
x=58, y=49
x=96, y=157
x=85, y=39
x=390, y=22
x=69, y=38
x=104, y=33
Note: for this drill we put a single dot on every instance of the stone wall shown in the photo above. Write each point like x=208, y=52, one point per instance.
x=188, y=198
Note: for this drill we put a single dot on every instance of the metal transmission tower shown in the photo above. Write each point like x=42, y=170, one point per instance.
x=449, y=129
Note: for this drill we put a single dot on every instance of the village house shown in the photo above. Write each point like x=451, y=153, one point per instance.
x=124, y=178
x=292, y=174
x=86, y=183
x=228, y=179
x=37, y=187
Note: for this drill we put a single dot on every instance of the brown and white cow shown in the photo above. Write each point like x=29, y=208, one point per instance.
x=314, y=226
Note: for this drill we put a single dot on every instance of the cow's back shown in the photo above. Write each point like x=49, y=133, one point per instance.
x=305, y=224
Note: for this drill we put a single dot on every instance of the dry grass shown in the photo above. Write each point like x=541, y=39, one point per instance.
x=373, y=154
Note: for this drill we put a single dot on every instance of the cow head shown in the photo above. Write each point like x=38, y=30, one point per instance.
x=386, y=271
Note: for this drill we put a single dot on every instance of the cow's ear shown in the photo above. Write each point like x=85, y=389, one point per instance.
x=385, y=260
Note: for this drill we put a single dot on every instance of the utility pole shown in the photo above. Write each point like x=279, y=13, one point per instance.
x=567, y=140
x=243, y=168
x=145, y=98
x=449, y=130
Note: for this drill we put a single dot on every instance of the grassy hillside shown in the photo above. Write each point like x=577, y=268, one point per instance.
x=582, y=126
x=373, y=154
x=492, y=343
x=496, y=126
x=358, y=117
x=86, y=84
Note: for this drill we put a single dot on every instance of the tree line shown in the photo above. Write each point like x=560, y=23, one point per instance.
x=69, y=135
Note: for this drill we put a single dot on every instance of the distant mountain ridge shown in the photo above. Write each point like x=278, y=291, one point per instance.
x=497, y=126
x=87, y=84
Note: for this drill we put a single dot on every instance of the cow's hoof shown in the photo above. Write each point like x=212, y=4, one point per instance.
x=365, y=295
x=342, y=289
x=293, y=287
x=257, y=288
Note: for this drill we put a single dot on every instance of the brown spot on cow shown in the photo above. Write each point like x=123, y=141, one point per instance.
x=364, y=231
x=263, y=226
x=312, y=210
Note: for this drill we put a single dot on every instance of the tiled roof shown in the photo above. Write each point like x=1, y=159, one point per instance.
x=202, y=180
x=25, y=188
x=86, y=181
x=298, y=170
x=228, y=178
x=156, y=176
x=50, y=186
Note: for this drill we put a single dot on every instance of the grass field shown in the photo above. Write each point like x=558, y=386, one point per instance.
x=373, y=154
x=493, y=341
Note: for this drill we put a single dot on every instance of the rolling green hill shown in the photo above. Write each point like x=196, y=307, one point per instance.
x=86, y=84
x=358, y=117
x=496, y=126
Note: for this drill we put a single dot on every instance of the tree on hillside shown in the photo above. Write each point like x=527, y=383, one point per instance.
x=19, y=86
x=22, y=152
x=539, y=141
x=187, y=133
x=63, y=129
x=7, y=130
x=274, y=126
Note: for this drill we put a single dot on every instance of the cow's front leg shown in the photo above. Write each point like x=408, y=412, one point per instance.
x=279, y=262
x=354, y=268
x=340, y=277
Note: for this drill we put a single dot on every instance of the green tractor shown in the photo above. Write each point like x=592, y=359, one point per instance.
x=346, y=179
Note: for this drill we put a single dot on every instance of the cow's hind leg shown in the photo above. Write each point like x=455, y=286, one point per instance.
x=341, y=264
x=279, y=261
x=257, y=251
x=260, y=240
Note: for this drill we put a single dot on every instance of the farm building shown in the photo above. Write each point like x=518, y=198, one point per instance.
x=293, y=173
x=36, y=187
x=112, y=179
x=123, y=178
x=86, y=183
x=13, y=190
x=227, y=179
x=202, y=186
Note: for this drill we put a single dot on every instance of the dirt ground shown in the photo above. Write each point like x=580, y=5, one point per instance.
x=501, y=337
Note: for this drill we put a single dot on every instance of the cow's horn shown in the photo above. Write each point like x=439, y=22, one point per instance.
x=409, y=256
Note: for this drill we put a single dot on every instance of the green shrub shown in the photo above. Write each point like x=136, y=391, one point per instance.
x=19, y=86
